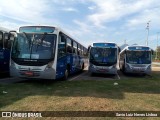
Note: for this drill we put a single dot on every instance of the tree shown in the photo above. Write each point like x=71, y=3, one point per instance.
x=158, y=52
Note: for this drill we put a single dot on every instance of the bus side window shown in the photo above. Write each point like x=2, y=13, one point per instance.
x=75, y=48
x=69, y=45
x=61, y=46
x=1, y=39
x=80, y=50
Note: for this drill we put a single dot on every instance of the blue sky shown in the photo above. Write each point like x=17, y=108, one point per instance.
x=88, y=21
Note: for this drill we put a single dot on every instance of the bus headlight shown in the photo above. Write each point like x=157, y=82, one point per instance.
x=149, y=67
x=92, y=66
x=127, y=66
x=114, y=66
x=49, y=65
x=12, y=64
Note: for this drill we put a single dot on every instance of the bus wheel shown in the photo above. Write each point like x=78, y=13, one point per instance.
x=82, y=67
x=123, y=69
x=66, y=74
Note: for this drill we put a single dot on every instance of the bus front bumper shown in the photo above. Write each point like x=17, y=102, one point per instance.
x=103, y=69
x=32, y=74
x=138, y=70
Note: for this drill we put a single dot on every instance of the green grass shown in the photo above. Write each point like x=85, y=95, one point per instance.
x=132, y=94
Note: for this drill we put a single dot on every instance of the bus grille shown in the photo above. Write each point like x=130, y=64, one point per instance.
x=35, y=73
x=138, y=65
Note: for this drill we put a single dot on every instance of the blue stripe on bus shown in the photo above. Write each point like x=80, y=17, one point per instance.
x=104, y=45
x=138, y=48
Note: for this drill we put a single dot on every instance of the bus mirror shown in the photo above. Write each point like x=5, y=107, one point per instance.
x=1, y=35
x=89, y=47
x=125, y=51
x=119, y=49
x=6, y=36
x=11, y=37
x=9, y=41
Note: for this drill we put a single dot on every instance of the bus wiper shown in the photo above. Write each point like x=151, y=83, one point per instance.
x=29, y=41
x=42, y=38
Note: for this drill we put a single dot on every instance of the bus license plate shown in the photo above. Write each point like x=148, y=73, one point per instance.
x=29, y=73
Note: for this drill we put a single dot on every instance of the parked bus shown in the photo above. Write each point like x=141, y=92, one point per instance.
x=136, y=59
x=45, y=52
x=103, y=58
x=4, y=51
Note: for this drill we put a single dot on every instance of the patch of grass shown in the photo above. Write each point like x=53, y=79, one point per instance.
x=136, y=94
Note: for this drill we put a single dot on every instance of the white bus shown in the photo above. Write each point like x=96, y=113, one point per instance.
x=136, y=59
x=103, y=58
x=45, y=52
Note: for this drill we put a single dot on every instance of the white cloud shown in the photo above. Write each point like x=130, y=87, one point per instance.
x=70, y=9
x=141, y=20
x=111, y=20
x=92, y=7
x=85, y=28
x=9, y=25
x=25, y=10
x=112, y=10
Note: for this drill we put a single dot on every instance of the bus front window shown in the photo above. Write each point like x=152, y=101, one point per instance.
x=138, y=57
x=103, y=56
x=34, y=46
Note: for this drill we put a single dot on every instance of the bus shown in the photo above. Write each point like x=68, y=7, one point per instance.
x=136, y=59
x=4, y=51
x=103, y=58
x=46, y=52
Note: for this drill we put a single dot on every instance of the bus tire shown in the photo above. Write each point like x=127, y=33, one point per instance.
x=123, y=69
x=90, y=74
x=82, y=66
x=66, y=73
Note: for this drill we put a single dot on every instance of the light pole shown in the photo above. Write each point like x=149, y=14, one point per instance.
x=157, y=47
x=148, y=32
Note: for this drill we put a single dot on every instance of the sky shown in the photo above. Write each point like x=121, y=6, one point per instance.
x=89, y=21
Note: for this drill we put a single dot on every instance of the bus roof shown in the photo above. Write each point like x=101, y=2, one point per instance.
x=103, y=44
x=58, y=29
x=136, y=48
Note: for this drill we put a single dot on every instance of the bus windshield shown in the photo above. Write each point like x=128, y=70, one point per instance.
x=34, y=46
x=103, y=56
x=139, y=57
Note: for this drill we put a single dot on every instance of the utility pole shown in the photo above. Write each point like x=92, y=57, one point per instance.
x=157, y=47
x=148, y=32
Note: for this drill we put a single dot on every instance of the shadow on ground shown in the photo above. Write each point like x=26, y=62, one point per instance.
x=80, y=88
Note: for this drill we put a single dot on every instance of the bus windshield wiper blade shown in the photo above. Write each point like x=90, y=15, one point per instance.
x=29, y=41
x=42, y=38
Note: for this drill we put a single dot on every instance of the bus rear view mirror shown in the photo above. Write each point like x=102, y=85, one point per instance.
x=119, y=49
x=11, y=37
x=89, y=47
x=1, y=35
x=6, y=36
x=125, y=51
